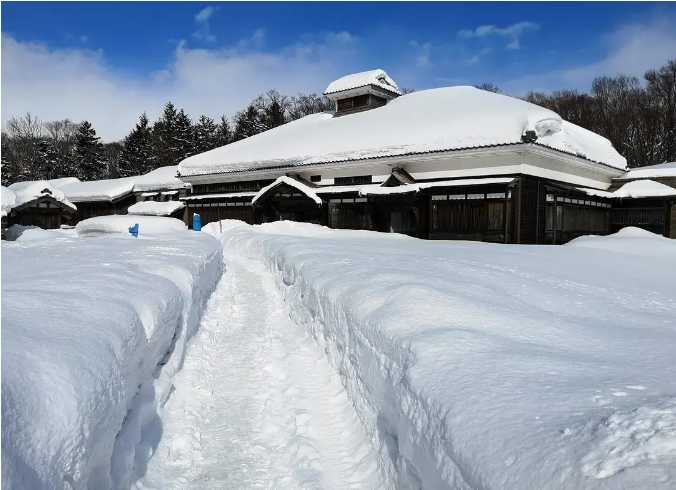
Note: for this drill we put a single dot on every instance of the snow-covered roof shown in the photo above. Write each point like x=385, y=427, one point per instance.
x=155, y=208
x=32, y=189
x=8, y=200
x=435, y=120
x=217, y=196
x=652, y=171
x=99, y=190
x=159, y=179
x=635, y=189
x=296, y=184
x=376, y=77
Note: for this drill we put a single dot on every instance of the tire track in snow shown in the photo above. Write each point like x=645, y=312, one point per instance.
x=257, y=405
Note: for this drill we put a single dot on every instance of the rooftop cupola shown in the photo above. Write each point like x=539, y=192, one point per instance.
x=362, y=91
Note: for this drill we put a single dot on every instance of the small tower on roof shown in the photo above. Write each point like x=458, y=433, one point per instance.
x=362, y=91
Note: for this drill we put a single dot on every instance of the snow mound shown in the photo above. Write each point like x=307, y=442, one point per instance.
x=155, y=208
x=425, y=121
x=491, y=366
x=29, y=233
x=376, y=77
x=93, y=332
x=148, y=225
x=644, y=188
x=160, y=178
x=645, y=435
x=629, y=240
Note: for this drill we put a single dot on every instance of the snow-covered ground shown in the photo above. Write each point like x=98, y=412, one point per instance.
x=93, y=331
x=475, y=365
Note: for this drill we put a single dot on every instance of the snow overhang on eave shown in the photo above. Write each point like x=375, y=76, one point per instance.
x=604, y=168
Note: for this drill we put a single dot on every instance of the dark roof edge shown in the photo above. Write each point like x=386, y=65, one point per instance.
x=361, y=86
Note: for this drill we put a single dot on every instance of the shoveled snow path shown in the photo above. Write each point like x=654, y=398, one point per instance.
x=257, y=404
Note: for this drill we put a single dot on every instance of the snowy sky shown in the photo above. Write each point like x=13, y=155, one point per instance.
x=109, y=62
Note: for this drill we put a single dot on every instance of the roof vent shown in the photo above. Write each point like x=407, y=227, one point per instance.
x=529, y=136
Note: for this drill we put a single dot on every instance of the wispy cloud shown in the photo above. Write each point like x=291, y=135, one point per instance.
x=511, y=33
x=80, y=84
x=202, y=19
x=631, y=49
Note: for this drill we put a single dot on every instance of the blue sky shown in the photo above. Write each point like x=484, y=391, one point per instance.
x=108, y=62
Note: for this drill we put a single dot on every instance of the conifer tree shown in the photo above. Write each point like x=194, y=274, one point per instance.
x=47, y=165
x=206, y=136
x=165, y=137
x=137, y=155
x=87, y=153
x=224, y=134
x=185, y=137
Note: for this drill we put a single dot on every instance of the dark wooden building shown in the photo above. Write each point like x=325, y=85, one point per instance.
x=449, y=163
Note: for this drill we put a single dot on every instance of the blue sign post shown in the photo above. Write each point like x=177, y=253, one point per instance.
x=133, y=230
x=196, y=222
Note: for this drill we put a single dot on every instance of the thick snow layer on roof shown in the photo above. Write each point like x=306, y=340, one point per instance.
x=355, y=80
x=426, y=121
x=120, y=223
x=31, y=189
x=155, y=208
x=635, y=189
x=305, y=189
x=480, y=365
x=159, y=179
x=199, y=197
x=99, y=190
x=651, y=171
x=93, y=332
x=8, y=200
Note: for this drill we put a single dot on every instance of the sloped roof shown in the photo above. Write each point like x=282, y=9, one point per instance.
x=290, y=181
x=376, y=77
x=651, y=171
x=160, y=178
x=155, y=208
x=427, y=121
x=8, y=200
x=99, y=190
x=635, y=189
x=29, y=190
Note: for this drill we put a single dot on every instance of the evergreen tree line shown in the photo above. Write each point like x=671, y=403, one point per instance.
x=32, y=149
x=638, y=117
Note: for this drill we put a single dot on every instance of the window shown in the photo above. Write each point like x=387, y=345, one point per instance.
x=439, y=198
x=456, y=197
x=495, y=195
x=475, y=196
x=315, y=178
x=353, y=180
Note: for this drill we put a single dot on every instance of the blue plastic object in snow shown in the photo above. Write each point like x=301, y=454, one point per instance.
x=196, y=222
x=133, y=230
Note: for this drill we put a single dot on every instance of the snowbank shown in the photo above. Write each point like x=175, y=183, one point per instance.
x=490, y=366
x=159, y=179
x=629, y=240
x=425, y=121
x=155, y=208
x=93, y=332
x=148, y=225
x=99, y=190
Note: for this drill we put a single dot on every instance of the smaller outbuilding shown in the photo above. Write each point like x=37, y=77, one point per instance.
x=101, y=197
x=36, y=203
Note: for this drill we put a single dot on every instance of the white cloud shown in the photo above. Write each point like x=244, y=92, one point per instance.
x=631, y=50
x=202, y=19
x=78, y=84
x=512, y=33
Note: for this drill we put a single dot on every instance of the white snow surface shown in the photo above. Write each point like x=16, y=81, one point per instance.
x=425, y=121
x=155, y=208
x=652, y=171
x=31, y=189
x=305, y=189
x=99, y=190
x=8, y=200
x=635, y=189
x=475, y=365
x=376, y=77
x=93, y=332
x=120, y=223
x=159, y=179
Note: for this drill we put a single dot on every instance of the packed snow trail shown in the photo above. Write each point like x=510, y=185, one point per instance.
x=257, y=405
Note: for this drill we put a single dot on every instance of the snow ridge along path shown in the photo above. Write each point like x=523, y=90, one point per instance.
x=257, y=404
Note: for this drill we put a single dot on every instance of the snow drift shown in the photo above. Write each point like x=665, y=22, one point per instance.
x=476, y=365
x=92, y=333
x=148, y=225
